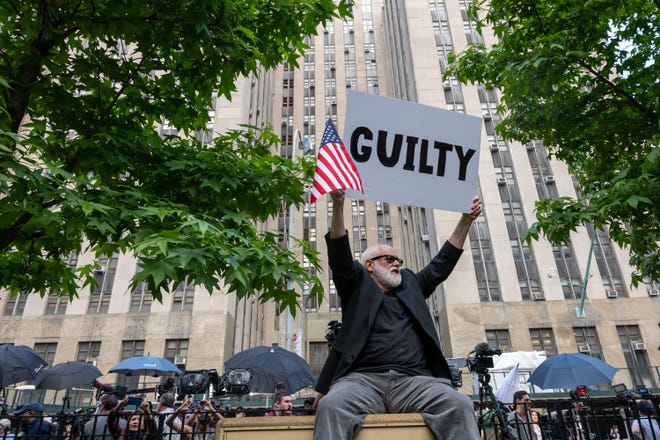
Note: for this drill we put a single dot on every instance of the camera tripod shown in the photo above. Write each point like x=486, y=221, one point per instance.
x=495, y=417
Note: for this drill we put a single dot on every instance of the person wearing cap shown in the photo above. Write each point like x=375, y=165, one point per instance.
x=36, y=426
x=5, y=430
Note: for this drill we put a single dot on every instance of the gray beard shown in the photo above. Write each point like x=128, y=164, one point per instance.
x=386, y=278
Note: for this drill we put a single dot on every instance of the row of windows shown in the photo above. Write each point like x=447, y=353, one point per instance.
x=88, y=351
x=99, y=302
x=587, y=341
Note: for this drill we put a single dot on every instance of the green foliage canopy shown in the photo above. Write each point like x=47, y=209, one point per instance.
x=583, y=78
x=84, y=86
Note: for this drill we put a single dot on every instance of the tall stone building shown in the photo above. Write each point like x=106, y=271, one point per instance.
x=515, y=296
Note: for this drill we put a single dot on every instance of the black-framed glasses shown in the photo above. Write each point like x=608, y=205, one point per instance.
x=389, y=258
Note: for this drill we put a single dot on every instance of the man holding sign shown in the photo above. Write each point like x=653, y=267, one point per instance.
x=387, y=357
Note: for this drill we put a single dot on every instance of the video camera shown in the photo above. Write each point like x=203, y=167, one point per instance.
x=331, y=333
x=483, y=358
x=236, y=381
x=102, y=388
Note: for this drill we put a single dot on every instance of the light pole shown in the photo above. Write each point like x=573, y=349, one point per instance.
x=306, y=146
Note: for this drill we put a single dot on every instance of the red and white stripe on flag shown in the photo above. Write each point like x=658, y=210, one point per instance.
x=335, y=168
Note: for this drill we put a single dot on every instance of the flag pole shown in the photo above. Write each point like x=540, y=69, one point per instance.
x=288, y=344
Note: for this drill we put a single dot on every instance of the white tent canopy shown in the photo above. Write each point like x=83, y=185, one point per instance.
x=527, y=362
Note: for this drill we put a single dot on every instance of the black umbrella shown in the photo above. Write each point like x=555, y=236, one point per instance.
x=18, y=363
x=271, y=366
x=67, y=375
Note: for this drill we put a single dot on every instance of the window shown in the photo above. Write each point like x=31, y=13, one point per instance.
x=56, y=304
x=499, y=339
x=16, y=305
x=586, y=339
x=99, y=300
x=489, y=290
x=333, y=298
x=141, y=299
x=46, y=350
x=184, y=296
x=318, y=352
x=543, y=339
x=634, y=351
x=176, y=348
x=130, y=349
x=88, y=351
x=311, y=301
x=513, y=211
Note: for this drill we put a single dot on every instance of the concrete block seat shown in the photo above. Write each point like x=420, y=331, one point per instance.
x=375, y=427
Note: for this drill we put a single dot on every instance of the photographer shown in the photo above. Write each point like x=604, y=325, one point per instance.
x=33, y=423
x=199, y=425
x=97, y=428
x=202, y=421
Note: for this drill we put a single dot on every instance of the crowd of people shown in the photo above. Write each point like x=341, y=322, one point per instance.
x=113, y=420
x=197, y=420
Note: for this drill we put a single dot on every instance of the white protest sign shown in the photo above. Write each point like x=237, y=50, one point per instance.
x=412, y=154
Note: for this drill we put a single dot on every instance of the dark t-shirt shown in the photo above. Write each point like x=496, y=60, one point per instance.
x=394, y=342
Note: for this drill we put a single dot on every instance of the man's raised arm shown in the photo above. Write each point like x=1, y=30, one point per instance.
x=337, y=226
x=457, y=238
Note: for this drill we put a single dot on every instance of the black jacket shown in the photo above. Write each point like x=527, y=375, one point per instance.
x=361, y=299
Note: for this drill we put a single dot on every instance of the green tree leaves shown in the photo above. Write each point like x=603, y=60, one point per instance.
x=83, y=88
x=582, y=77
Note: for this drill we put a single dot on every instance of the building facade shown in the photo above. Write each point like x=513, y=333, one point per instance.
x=513, y=295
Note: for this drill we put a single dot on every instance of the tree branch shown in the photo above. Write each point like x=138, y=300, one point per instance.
x=648, y=113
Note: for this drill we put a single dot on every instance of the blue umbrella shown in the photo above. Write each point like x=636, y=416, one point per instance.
x=146, y=366
x=18, y=363
x=570, y=370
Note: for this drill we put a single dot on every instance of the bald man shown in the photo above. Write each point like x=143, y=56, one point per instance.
x=387, y=357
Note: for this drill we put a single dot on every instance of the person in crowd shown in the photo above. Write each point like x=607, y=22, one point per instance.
x=282, y=406
x=200, y=424
x=165, y=408
x=5, y=430
x=520, y=426
x=97, y=427
x=387, y=357
x=646, y=426
x=33, y=423
x=141, y=424
x=614, y=433
x=138, y=427
x=536, y=424
x=240, y=412
x=308, y=408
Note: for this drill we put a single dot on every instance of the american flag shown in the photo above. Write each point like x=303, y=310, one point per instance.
x=335, y=168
